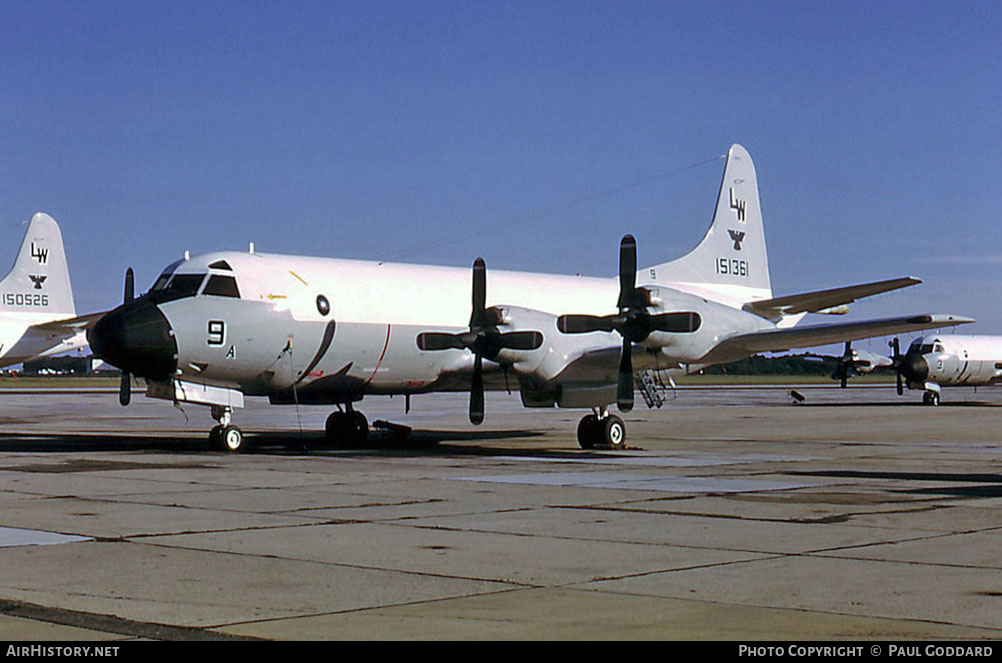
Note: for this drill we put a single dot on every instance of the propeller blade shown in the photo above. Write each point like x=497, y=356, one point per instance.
x=439, y=341
x=624, y=389
x=125, y=385
x=676, y=323
x=130, y=286
x=627, y=272
x=125, y=389
x=582, y=324
x=896, y=359
x=477, y=392
x=845, y=365
x=522, y=340
x=478, y=318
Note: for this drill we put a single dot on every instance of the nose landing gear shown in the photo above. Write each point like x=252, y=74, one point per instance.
x=225, y=437
x=602, y=429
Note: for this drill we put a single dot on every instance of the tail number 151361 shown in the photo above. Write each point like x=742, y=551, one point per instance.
x=731, y=266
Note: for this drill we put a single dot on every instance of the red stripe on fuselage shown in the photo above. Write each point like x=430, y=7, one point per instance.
x=386, y=344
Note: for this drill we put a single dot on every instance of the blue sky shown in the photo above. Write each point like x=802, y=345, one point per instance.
x=534, y=134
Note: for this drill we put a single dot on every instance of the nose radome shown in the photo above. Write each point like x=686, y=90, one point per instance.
x=916, y=369
x=136, y=338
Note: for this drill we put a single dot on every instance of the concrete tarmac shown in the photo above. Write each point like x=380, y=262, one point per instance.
x=735, y=515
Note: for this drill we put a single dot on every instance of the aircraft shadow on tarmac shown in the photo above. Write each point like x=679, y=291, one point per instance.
x=986, y=485
x=908, y=404
x=274, y=443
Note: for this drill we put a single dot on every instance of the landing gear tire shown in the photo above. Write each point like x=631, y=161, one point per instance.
x=347, y=429
x=229, y=439
x=930, y=398
x=614, y=432
x=588, y=431
x=609, y=431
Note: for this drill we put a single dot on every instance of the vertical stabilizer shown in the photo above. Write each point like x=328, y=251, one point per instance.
x=39, y=282
x=730, y=263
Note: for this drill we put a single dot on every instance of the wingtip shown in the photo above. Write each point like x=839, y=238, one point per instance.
x=944, y=319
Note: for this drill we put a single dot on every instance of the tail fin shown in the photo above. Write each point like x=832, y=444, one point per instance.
x=730, y=263
x=39, y=281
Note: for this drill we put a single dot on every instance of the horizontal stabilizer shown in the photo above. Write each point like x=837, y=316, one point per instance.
x=778, y=340
x=819, y=300
x=49, y=338
x=71, y=325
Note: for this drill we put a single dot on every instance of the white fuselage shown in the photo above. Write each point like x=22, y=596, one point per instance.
x=272, y=337
x=961, y=360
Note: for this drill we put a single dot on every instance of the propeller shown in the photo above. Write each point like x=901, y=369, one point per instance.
x=125, y=386
x=897, y=362
x=846, y=364
x=483, y=339
x=633, y=322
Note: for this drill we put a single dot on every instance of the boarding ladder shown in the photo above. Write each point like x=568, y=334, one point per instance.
x=653, y=388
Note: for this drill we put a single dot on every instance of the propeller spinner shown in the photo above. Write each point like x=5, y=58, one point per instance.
x=633, y=322
x=483, y=339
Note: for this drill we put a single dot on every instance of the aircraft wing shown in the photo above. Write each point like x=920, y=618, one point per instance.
x=778, y=340
x=819, y=300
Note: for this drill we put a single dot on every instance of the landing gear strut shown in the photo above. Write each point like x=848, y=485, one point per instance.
x=225, y=437
x=602, y=429
x=347, y=429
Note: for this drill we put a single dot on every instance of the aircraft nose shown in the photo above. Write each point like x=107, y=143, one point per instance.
x=136, y=338
x=915, y=368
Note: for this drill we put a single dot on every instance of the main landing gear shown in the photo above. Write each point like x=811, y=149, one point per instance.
x=224, y=436
x=602, y=429
x=348, y=428
x=344, y=429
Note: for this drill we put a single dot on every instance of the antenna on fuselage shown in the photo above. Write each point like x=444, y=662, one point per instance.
x=252, y=247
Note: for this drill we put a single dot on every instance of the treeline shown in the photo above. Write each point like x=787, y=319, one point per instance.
x=783, y=365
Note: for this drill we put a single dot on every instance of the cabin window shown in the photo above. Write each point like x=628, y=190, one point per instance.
x=998, y=366
x=222, y=286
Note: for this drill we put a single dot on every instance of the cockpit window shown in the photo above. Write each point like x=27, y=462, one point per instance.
x=184, y=285
x=165, y=275
x=221, y=264
x=938, y=347
x=925, y=349
x=222, y=286
x=161, y=282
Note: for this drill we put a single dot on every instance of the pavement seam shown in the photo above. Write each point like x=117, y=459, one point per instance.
x=513, y=583
x=109, y=623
